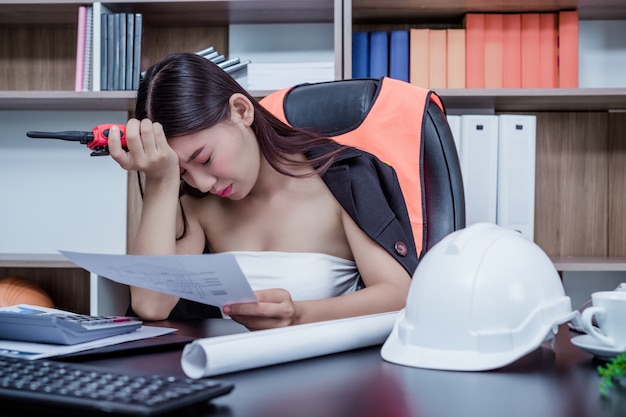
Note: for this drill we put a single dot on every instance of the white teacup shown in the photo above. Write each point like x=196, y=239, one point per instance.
x=609, y=310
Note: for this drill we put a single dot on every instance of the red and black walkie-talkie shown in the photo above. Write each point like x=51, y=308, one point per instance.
x=97, y=140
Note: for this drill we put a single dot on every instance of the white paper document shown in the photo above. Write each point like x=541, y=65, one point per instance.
x=27, y=350
x=214, y=279
x=237, y=352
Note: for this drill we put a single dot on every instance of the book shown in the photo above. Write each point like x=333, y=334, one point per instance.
x=479, y=167
x=548, y=51
x=379, y=54
x=512, y=50
x=104, y=52
x=130, y=44
x=399, y=55
x=360, y=55
x=530, y=50
x=121, y=51
x=516, y=173
x=237, y=67
x=88, y=59
x=99, y=47
x=437, y=58
x=455, y=50
x=112, y=46
x=475, y=50
x=227, y=63
x=418, y=57
x=494, y=24
x=568, y=49
x=81, y=32
x=137, y=39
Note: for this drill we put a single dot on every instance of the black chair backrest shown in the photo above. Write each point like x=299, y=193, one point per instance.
x=333, y=108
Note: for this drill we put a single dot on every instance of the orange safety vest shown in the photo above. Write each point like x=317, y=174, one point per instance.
x=392, y=130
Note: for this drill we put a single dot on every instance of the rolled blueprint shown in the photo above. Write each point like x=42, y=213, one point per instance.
x=231, y=353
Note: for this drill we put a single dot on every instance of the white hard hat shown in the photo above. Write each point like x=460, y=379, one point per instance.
x=481, y=298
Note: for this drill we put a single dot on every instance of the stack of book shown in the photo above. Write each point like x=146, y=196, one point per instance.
x=492, y=50
x=116, y=39
x=237, y=68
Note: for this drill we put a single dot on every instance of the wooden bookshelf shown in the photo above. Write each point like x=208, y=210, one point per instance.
x=581, y=139
x=581, y=133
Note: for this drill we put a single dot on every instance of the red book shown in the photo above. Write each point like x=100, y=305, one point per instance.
x=530, y=50
x=512, y=50
x=418, y=57
x=475, y=50
x=437, y=58
x=456, y=58
x=493, y=50
x=568, y=49
x=548, y=51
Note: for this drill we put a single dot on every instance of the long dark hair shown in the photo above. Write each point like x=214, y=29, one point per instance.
x=187, y=93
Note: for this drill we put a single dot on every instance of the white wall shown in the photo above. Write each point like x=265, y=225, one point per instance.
x=53, y=194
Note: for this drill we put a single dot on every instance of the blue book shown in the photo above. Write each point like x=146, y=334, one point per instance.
x=360, y=55
x=399, y=55
x=379, y=54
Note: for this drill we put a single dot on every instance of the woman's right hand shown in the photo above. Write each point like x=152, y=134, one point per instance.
x=148, y=150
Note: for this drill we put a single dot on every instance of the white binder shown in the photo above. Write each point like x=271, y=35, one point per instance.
x=479, y=167
x=454, y=121
x=516, y=173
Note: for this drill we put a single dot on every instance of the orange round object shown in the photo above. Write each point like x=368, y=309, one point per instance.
x=19, y=290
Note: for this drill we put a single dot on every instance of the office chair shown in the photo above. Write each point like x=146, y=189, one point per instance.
x=403, y=125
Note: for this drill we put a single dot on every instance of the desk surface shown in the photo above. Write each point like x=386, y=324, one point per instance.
x=546, y=383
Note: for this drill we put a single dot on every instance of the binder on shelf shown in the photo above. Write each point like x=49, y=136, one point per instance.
x=399, y=55
x=568, y=49
x=479, y=167
x=360, y=55
x=475, y=50
x=494, y=24
x=512, y=50
x=437, y=58
x=455, y=58
x=530, y=50
x=548, y=51
x=454, y=121
x=516, y=173
x=418, y=57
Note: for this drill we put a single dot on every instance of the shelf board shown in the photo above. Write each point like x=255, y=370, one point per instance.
x=582, y=264
x=531, y=100
x=170, y=13
x=67, y=100
x=22, y=260
x=552, y=99
x=403, y=11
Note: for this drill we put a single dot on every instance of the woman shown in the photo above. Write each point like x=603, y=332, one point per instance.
x=223, y=174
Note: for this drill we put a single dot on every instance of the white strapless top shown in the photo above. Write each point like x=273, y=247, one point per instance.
x=307, y=276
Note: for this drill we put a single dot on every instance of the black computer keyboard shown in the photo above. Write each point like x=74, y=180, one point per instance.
x=77, y=387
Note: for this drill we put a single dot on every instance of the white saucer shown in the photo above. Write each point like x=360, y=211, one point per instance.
x=590, y=345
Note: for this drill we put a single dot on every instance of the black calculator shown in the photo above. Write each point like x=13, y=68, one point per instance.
x=31, y=324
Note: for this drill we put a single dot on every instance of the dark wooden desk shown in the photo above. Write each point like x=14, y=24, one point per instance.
x=545, y=383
